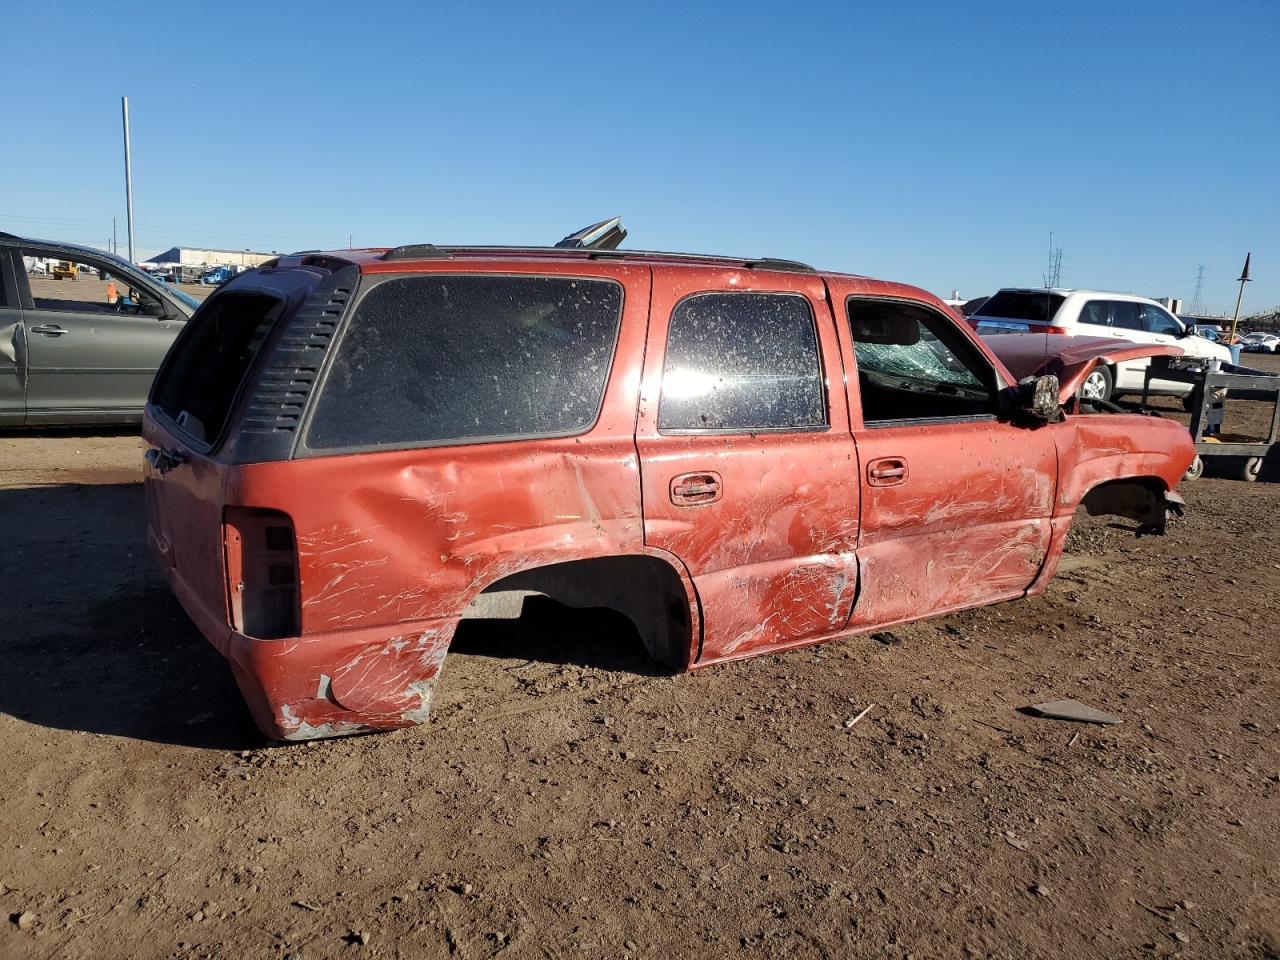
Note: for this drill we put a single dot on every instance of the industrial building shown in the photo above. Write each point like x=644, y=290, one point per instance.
x=194, y=257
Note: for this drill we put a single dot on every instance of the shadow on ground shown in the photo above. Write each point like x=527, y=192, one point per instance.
x=91, y=637
x=94, y=641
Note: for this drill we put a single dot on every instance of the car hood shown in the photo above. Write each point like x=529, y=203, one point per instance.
x=1068, y=358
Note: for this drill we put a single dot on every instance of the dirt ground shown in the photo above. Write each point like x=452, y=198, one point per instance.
x=567, y=799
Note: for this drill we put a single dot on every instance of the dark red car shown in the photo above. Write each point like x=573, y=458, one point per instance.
x=352, y=451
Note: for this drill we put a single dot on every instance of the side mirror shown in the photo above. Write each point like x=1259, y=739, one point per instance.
x=1038, y=399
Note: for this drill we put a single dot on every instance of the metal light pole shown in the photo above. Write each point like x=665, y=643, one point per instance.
x=128, y=173
x=1244, y=278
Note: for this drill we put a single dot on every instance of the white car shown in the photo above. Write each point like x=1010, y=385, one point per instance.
x=1096, y=313
x=1260, y=343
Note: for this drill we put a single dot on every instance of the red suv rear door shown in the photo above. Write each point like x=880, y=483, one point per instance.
x=748, y=469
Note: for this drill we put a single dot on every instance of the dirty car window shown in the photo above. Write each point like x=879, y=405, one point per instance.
x=433, y=359
x=742, y=361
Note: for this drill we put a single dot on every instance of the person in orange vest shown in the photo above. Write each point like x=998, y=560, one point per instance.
x=112, y=296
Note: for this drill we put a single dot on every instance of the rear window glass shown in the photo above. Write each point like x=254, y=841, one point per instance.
x=1028, y=305
x=199, y=380
x=437, y=359
x=742, y=361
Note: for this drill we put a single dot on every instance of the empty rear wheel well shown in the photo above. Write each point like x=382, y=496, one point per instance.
x=644, y=589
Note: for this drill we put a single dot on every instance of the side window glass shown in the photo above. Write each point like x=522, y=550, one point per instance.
x=742, y=362
x=1126, y=315
x=80, y=286
x=1157, y=321
x=914, y=365
x=1095, y=312
x=449, y=359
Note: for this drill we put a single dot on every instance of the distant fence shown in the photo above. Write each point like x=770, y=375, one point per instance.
x=1268, y=321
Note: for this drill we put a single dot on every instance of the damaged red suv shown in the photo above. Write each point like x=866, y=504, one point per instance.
x=353, y=451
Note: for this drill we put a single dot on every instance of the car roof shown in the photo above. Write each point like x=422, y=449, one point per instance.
x=1078, y=292
x=431, y=256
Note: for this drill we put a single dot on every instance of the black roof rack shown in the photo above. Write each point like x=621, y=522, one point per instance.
x=417, y=251
x=430, y=251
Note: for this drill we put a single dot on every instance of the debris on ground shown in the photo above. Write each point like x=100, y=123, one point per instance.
x=848, y=724
x=1071, y=710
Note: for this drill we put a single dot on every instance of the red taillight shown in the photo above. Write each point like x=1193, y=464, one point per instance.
x=262, y=572
x=1046, y=329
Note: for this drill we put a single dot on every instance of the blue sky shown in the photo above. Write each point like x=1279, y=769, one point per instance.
x=936, y=143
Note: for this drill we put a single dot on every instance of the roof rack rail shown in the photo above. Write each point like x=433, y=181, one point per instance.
x=431, y=251
x=773, y=263
x=417, y=251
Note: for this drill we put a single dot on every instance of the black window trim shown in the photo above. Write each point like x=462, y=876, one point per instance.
x=368, y=283
x=996, y=384
x=823, y=378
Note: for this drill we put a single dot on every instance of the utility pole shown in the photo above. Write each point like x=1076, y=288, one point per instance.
x=114, y=247
x=128, y=173
x=1244, y=278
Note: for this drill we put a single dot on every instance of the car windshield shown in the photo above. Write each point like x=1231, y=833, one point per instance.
x=1034, y=306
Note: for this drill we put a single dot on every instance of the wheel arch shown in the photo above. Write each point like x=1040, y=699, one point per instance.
x=1145, y=498
x=651, y=589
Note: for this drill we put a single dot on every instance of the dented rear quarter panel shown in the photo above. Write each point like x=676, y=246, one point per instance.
x=393, y=545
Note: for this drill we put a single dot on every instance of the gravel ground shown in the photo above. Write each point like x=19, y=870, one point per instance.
x=567, y=799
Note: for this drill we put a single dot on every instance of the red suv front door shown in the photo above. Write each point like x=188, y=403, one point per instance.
x=748, y=469
x=955, y=501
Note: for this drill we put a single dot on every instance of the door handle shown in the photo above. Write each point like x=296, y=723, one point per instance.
x=695, y=489
x=49, y=330
x=887, y=472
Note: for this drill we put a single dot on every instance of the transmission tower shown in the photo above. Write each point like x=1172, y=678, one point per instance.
x=1054, y=277
x=1197, y=298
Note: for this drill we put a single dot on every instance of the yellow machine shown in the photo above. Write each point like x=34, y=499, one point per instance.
x=64, y=270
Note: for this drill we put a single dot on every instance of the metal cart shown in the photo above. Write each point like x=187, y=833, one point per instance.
x=1211, y=389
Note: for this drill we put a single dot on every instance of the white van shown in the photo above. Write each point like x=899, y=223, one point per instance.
x=1097, y=313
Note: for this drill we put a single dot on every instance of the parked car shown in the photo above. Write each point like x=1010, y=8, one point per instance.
x=1099, y=314
x=351, y=452
x=1260, y=343
x=81, y=352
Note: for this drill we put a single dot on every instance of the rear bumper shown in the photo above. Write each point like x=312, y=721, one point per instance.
x=333, y=684
x=327, y=684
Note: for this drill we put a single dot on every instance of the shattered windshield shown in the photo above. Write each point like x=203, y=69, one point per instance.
x=928, y=360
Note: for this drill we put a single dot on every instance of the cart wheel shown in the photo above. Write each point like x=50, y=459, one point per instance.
x=1246, y=469
x=1196, y=470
